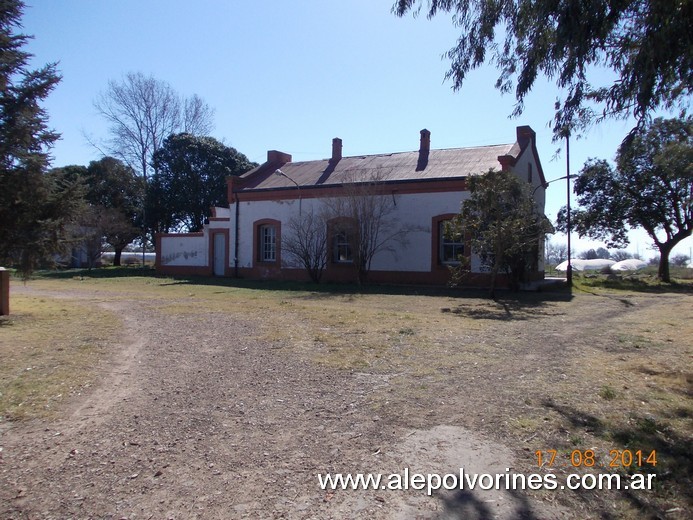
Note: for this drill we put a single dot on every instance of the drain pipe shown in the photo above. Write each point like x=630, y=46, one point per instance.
x=235, y=247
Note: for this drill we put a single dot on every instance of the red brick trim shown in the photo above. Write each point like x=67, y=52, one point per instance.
x=185, y=270
x=436, y=265
x=314, y=192
x=340, y=223
x=167, y=235
x=267, y=266
x=527, y=138
x=210, y=254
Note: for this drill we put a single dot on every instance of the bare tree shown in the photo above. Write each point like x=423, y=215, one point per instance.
x=620, y=254
x=306, y=242
x=198, y=116
x=556, y=253
x=143, y=111
x=365, y=212
x=680, y=260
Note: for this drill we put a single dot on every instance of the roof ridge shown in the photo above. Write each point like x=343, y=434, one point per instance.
x=390, y=154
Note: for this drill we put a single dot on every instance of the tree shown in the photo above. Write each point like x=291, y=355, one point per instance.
x=556, y=253
x=190, y=178
x=114, y=196
x=650, y=188
x=646, y=43
x=593, y=254
x=363, y=214
x=119, y=193
x=35, y=207
x=620, y=255
x=143, y=111
x=306, y=242
x=503, y=225
x=87, y=236
x=590, y=254
x=680, y=260
x=197, y=116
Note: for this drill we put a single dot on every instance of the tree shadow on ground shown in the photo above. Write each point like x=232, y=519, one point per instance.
x=469, y=302
x=515, y=306
x=511, y=301
x=674, y=457
x=371, y=288
x=97, y=273
x=465, y=505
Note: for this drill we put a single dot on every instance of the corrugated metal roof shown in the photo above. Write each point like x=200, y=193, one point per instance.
x=402, y=166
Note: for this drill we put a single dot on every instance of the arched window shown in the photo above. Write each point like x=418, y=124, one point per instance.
x=451, y=244
x=342, y=240
x=447, y=245
x=267, y=241
x=342, y=247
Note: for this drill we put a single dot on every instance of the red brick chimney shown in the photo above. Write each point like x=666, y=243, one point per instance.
x=336, y=149
x=425, y=146
x=525, y=136
x=506, y=162
x=275, y=156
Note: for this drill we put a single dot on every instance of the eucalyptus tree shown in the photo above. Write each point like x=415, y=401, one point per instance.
x=646, y=44
x=651, y=187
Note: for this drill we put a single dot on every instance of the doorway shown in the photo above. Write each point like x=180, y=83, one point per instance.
x=219, y=254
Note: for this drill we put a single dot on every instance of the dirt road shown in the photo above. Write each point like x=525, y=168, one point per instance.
x=199, y=416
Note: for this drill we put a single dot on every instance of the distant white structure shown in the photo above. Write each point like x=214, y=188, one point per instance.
x=628, y=265
x=586, y=265
x=132, y=255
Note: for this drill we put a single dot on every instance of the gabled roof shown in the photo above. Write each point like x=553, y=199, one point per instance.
x=421, y=165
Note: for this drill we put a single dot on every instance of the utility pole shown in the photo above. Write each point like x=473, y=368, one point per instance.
x=569, y=272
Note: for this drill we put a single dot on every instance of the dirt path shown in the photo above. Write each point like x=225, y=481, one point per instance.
x=196, y=416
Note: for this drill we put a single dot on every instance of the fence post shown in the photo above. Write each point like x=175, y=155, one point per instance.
x=4, y=291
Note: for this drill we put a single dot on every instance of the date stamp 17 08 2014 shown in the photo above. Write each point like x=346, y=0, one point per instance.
x=589, y=459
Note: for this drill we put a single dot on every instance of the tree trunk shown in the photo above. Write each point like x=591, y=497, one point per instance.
x=663, y=271
x=116, y=256
x=494, y=276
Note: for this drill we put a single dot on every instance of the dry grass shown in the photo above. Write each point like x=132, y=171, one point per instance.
x=602, y=369
x=49, y=348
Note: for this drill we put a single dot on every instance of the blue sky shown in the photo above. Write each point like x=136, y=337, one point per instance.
x=291, y=76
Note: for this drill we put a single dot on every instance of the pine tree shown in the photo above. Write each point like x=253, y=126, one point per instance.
x=34, y=207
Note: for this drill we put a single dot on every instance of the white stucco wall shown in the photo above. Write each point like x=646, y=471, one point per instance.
x=184, y=250
x=521, y=169
x=413, y=212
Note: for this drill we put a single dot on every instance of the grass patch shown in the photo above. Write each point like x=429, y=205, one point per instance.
x=49, y=349
x=607, y=393
x=641, y=281
x=600, y=368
